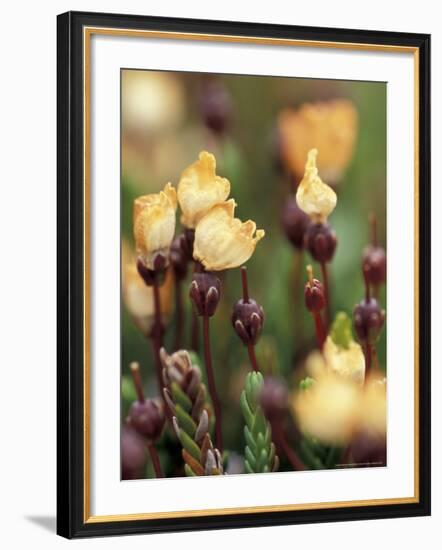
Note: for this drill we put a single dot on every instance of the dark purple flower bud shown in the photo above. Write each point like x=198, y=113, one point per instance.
x=320, y=240
x=133, y=453
x=374, y=264
x=314, y=295
x=179, y=257
x=147, y=418
x=294, y=222
x=216, y=106
x=274, y=399
x=188, y=243
x=157, y=274
x=368, y=319
x=205, y=293
x=248, y=320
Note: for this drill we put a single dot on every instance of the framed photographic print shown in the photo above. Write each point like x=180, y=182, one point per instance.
x=243, y=274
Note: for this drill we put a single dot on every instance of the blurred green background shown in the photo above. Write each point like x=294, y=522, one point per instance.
x=163, y=131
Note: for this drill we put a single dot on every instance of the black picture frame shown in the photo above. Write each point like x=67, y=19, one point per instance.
x=71, y=521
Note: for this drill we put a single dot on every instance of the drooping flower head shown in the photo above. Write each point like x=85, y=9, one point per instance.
x=199, y=189
x=331, y=126
x=314, y=197
x=154, y=225
x=223, y=241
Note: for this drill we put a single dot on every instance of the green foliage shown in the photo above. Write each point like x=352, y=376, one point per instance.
x=341, y=332
x=259, y=455
x=306, y=383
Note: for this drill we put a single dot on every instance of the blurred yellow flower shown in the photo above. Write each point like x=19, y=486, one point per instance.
x=348, y=363
x=328, y=409
x=139, y=300
x=330, y=126
x=199, y=189
x=314, y=197
x=374, y=408
x=152, y=101
x=334, y=409
x=223, y=241
x=154, y=224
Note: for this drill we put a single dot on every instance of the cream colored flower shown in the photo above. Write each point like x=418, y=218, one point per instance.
x=139, y=300
x=374, y=408
x=314, y=197
x=348, y=363
x=154, y=224
x=199, y=189
x=328, y=410
x=223, y=241
x=330, y=126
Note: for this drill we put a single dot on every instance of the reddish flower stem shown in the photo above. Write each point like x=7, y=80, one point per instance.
x=155, y=460
x=245, y=285
x=157, y=335
x=252, y=357
x=136, y=377
x=368, y=351
x=324, y=271
x=320, y=330
x=179, y=310
x=291, y=455
x=211, y=383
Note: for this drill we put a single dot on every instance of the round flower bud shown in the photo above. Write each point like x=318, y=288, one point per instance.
x=179, y=257
x=368, y=318
x=320, y=240
x=205, y=293
x=147, y=418
x=248, y=320
x=374, y=264
x=133, y=453
x=294, y=222
x=314, y=295
x=274, y=399
x=216, y=106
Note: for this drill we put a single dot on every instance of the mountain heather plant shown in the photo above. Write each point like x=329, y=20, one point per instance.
x=332, y=413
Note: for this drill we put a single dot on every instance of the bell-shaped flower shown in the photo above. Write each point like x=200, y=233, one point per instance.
x=223, y=241
x=199, y=189
x=154, y=225
x=314, y=197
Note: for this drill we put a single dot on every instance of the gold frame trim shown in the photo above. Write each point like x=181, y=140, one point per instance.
x=87, y=34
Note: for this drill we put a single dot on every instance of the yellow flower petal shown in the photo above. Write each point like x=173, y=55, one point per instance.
x=154, y=224
x=222, y=241
x=349, y=363
x=138, y=298
x=313, y=196
x=199, y=189
x=330, y=126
